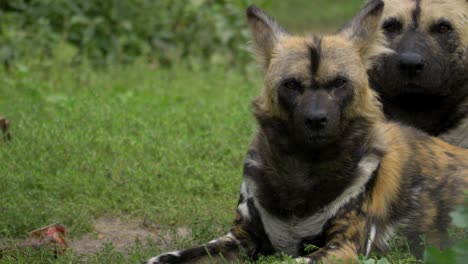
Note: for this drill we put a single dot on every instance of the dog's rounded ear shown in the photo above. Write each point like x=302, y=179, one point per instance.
x=363, y=30
x=365, y=23
x=265, y=34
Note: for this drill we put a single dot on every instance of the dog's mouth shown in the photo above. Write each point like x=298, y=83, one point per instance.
x=320, y=139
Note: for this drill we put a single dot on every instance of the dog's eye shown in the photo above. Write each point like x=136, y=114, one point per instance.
x=292, y=84
x=392, y=26
x=443, y=28
x=339, y=82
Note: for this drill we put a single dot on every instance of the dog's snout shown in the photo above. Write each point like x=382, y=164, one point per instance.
x=411, y=64
x=316, y=120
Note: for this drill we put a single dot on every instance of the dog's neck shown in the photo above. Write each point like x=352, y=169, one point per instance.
x=299, y=182
x=434, y=117
x=281, y=144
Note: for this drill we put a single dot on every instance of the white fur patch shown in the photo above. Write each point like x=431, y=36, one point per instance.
x=157, y=259
x=232, y=237
x=244, y=190
x=302, y=260
x=243, y=206
x=367, y=166
x=244, y=210
x=370, y=241
x=383, y=237
x=228, y=236
x=252, y=163
x=286, y=235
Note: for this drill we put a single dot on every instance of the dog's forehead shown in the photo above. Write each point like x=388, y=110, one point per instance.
x=297, y=56
x=292, y=56
x=311, y=55
x=338, y=49
x=426, y=11
x=455, y=11
x=445, y=5
x=339, y=57
x=423, y=14
x=400, y=9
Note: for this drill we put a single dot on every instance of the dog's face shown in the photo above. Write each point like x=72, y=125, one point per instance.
x=430, y=62
x=316, y=85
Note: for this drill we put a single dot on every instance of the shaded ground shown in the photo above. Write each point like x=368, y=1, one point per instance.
x=122, y=234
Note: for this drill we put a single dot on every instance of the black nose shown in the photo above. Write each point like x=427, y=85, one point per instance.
x=411, y=64
x=317, y=120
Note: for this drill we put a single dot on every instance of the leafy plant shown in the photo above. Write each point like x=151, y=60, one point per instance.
x=458, y=252
x=120, y=31
x=363, y=260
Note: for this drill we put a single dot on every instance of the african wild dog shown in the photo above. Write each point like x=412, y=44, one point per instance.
x=424, y=83
x=324, y=167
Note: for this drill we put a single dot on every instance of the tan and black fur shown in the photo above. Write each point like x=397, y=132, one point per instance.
x=424, y=81
x=324, y=167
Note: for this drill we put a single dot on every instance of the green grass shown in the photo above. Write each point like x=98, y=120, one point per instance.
x=135, y=142
x=121, y=141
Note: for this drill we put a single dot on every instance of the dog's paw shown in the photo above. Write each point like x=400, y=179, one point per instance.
x=166, y=258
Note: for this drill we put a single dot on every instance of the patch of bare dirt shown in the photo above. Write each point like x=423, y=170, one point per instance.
x=122, y=234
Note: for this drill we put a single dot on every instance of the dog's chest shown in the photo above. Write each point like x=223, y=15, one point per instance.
x=300, y=191
x=287, y=235
x=304, y=200
x=288, y=227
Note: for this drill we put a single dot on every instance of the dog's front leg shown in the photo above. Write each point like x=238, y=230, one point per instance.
x=240, y=243
x=246, y=239
x=348, y=234
x=217, y=251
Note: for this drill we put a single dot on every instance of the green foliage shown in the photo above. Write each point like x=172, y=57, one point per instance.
x=460, y=216
x=310, y=248
x=115, y=31
x=363, y=260
x=458, y=252
x=313, y=15
x=201, y=33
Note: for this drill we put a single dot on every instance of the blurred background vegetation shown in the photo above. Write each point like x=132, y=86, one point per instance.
x=162, y=33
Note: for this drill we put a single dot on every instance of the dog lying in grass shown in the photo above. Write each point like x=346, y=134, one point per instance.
x=324, y=167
